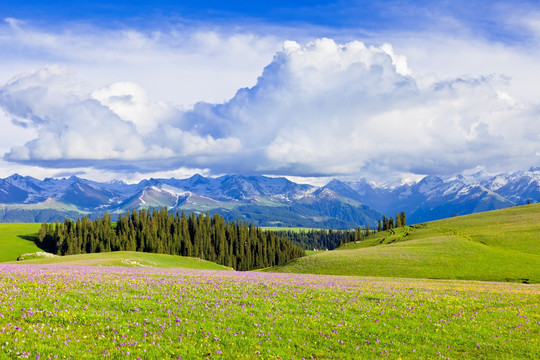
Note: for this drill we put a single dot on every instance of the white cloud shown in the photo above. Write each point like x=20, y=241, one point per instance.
x=319, y=109
x=13, y=133
x=326, y=109
x=130, y=102
x=115, y=124
x=449, y=57
x=71, y=125
x=178, y=65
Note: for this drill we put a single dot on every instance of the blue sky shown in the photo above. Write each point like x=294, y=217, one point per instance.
x=305, y=89
x=141, y=13
x=485, y=18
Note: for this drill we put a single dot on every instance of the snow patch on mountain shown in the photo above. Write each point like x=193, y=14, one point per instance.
x=429, y=198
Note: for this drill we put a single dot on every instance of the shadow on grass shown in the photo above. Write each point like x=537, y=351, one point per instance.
x=33, y=238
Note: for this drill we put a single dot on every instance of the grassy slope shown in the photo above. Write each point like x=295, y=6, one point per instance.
x=502, y=245
x=16, y=239
x=128, y=258
x=285, y=228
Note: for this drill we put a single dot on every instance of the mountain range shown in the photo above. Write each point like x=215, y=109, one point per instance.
x=268, y=201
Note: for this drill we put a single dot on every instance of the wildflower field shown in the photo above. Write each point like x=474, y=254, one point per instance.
x=70, y=312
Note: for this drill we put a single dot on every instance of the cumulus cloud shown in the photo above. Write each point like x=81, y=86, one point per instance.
x=129, y=101
x=327, y=109
x=319, y=109
x=110, y=127
x=178, y=64
x=70, y=124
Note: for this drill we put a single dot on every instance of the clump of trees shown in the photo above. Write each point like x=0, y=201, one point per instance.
x=322, y=238
x=388, y=223
x=234, y=244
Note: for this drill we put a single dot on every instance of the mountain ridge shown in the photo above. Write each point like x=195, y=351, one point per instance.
x=258, y=199
x=268, y=201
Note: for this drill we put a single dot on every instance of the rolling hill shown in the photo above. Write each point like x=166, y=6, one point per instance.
x=127, y=258
x=500, y=245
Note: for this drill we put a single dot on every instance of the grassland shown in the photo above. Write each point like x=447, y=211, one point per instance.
x=127, y=258
x=313, y=252
x=285, y=228
x=63, y=312
x=151, y=309
x=17, y=239
x=502, y=245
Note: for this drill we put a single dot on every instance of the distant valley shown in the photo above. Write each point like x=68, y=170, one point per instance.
x=268, y=201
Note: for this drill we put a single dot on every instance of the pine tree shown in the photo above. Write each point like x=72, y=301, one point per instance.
x=403, y=218
x=234, y=244
x=42, y=234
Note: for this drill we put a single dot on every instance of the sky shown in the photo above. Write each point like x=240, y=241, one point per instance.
x=384, y=90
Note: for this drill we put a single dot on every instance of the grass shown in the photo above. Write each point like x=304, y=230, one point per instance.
x=52, y=312
x=516, y=228
x=128, y=258
x=17, y=239
x=313, y=252
x=502, y=245
x=60, y=311
x=293, y=229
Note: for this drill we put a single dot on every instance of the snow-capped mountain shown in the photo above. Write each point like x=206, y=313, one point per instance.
x=267, y=200
x=518, y=187
x=434, y=197
x=259, y=199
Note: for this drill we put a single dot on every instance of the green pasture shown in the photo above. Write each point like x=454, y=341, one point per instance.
x=313, y=252
x=502, y=245
x=17, y=239
x=515, y=228
x=293, y=229
x=91, y=312
x=128, y=258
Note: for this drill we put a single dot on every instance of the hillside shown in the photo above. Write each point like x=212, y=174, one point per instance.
x=17, y=239
x=128, y=258
x=501, y=245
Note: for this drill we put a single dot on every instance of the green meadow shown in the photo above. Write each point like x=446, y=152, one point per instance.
x=293, y=229
x=17, y=239
x=127, y=258
x=154, y=306
x=502, y=245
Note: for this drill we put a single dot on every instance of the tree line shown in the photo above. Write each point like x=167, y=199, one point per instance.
x=233, y=244
x=323, y=239
x=320, y=239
